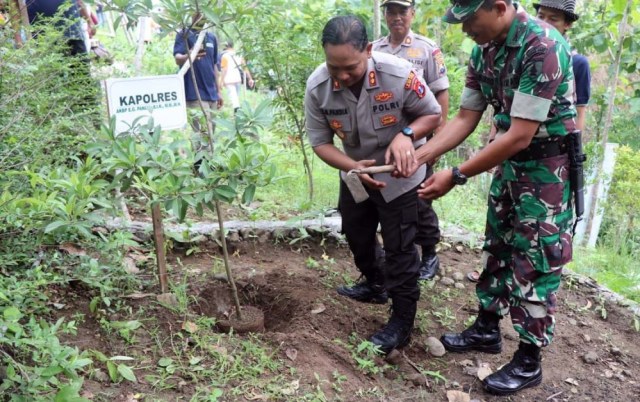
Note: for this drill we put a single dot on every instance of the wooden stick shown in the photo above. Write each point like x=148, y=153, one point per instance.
x=158, y=239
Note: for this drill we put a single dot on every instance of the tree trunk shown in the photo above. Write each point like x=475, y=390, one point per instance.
x=376, y=19
x=142, y=27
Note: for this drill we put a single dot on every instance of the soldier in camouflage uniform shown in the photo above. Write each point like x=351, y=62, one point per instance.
x=428, y=60
x=522, y=68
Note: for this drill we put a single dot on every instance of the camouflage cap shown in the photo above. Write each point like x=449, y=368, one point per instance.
x=460, y=11
x=405, y=3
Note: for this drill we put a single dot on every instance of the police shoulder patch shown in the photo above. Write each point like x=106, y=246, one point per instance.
x=439, y=59
x=410, y=78
x=336, y=124
x=419, y=88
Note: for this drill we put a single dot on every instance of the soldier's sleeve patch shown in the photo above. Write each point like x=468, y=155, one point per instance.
x=439, y=58
x=419, y=88
x=336, y=124
x=383, y=96
x=388, y=120
x=410, y=79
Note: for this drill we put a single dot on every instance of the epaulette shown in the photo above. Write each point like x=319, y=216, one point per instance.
x=426, y=40
x=319, y=75
x=390, y=64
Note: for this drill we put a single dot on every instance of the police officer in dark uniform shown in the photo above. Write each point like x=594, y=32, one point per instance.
x=428, y=60
x=380, y=110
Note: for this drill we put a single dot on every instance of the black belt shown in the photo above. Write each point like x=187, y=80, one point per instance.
x=542, y=149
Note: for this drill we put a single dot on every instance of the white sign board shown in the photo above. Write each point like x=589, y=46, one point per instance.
x=160, y=97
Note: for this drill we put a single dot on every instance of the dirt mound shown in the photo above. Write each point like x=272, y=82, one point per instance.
x=317, y=333
x=304, y=316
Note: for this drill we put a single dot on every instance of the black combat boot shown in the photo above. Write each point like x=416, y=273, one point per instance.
x=429, y=265
x=397, y=332
x=366, y=290
x=483, y=335
x=523, y=371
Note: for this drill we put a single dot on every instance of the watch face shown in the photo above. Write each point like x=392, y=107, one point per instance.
x=458, y=178
x=407, y=131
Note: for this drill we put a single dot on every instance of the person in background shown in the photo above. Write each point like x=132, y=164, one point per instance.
x=42, y=12
x=523, y=69
x=234, y=74
x=428, y=61
x=561, y=14
x=379, y=108
x=206, y=74
x=100, y=12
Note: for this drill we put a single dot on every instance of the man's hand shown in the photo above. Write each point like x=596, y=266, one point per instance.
x=402, y=153
x=365, y=178
x=437, y=185
x=220, y=103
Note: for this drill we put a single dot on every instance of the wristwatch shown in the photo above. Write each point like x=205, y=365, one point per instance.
x=458, y=178
x=409, y=133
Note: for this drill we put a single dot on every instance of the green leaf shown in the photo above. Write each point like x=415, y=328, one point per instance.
x=51, y=371
x=249, y=193
x=54, y=225
x=121, y=358
x=69, y=393
x=99, y=355
x=226, y=192
x=164, y=362
x=195, y=360
x=113, y=371
x=127, y=373
x=12, y=314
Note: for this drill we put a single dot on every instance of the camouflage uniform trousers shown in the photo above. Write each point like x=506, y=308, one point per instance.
x=527, y=243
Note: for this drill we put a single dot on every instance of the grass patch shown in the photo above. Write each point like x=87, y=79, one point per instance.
x=620, y=272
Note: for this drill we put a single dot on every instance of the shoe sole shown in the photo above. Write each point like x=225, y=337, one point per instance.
x=398, y=346
x=426, y=279
x=501, y=391
x=382, y=300
x=492, y=349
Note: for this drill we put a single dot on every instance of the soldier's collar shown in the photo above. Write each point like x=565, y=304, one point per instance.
x=514, y=37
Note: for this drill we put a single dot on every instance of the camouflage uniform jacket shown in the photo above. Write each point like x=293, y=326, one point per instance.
x=424, y=54
x=529, y=76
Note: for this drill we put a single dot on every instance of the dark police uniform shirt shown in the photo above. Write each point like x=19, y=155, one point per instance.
x=203, y=68
x=424, y=54
x=393, y=95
